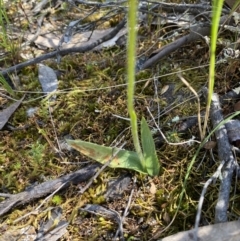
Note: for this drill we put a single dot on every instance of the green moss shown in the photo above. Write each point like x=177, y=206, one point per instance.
x=57, y=200
x=89, y=82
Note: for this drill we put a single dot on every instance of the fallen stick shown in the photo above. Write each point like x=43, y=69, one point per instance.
x=196, y=32
x=45, y=188
x=225, y=155
x=63, y=52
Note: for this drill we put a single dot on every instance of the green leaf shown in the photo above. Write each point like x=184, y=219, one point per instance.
x=149, y=152
x=6, y=86
x=123, y=159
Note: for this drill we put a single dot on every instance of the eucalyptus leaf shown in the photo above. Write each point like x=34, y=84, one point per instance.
x=8, y=112
x=123, y=159
x=149, y=152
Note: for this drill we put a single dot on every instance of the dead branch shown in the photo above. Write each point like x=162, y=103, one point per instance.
x=43, y=189
x=201, y=199
x=180, y=8
x=226, y=156
x=196, y=32
x=64, y=52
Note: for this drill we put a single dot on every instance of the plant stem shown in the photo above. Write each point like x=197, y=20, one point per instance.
x=131, y=63
x=217, y=9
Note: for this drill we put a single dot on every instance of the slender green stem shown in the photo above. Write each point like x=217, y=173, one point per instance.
x=217, y=9
x=131, y=63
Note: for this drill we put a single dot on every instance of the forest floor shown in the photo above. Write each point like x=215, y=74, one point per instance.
x=90, y=103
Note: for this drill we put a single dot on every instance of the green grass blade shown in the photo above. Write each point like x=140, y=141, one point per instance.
x=235, y=6
x=6, y=86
